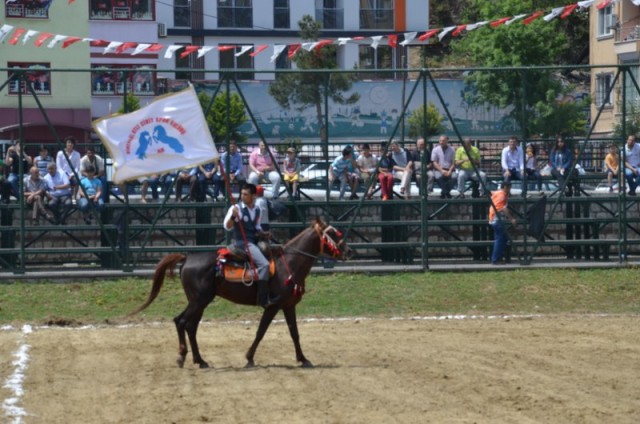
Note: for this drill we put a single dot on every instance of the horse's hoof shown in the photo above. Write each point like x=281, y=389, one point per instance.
x=306, y=364
x=250, y=364
x=180, y=361
x=203, y=365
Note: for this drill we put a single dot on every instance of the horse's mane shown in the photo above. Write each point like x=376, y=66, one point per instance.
x=316, y=221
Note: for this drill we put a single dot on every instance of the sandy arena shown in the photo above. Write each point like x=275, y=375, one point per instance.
x=543, y=369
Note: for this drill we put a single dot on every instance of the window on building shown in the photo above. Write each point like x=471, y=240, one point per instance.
x=26, y=9
x=631, y=94
x=605, y=21
x=281, y=14
x=183, y=63
x=134, y=10
x=376, y=14
x=229, y=60
x=603, y=89
x=380, y=58
x=330, y=14
x=235, y=14
x=33, y=75
x=110, y=80
x=182, y=13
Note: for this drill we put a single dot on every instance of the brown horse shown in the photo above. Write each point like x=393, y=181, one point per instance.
x=202, y=284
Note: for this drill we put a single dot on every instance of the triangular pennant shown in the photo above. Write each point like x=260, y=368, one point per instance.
x=376, y=40
x=499, y=22
x=554, y=14
x=533, y=17
x=429, y=34
x=258, y=49
x=28, y=35
x=568, y=10
x=277, y=50
x=155, y=47
x=445, y=31
x=243, y=50
x=343, y=40
x=125, y=46
x=188, y=50
x=320, y=44
x=308, y=46
x=586, y=4
x=225, y=47
x=171, y=50
x=204, y=50
x=98, y=43
x=393, y=40
x=458, y=30
x=44, y=36
x=4, y=31
x=515, y=18
x=293, y=49
x=408, y=38
x=140, y=48
x=603, y=4
x=16, y=36
x=56, y=40
x=476, y=25
x=69, y=41
x=112, y=47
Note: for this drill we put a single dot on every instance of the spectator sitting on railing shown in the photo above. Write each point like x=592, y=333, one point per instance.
x=91, y=193
x=444, y=164
x=339, y=170
x=14, y=155
x=59, y=190
x=262, y=167
x=291, y=171
x=416, y=157
x=612, y=165
x=367, y=162
x=35, y=194
x=561, y=160
x=234, y=173
x=186, y=176
x=512, y=160
x=632, y=164
x=402, y=168
x=467, y=156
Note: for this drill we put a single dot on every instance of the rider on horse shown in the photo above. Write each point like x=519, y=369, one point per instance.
x=243, y=219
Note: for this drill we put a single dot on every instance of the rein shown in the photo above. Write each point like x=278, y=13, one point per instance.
x=326, y=242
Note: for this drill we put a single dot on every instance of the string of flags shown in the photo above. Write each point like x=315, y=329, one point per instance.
x=15, y=36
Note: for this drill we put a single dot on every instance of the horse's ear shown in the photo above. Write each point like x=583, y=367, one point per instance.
x=321, y=222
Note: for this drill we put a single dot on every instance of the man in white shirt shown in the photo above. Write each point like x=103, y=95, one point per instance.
x=632, y=164
x=59, y=191
x=444, y=164
x=246, y=214
x=512, y=160
x=68, y=166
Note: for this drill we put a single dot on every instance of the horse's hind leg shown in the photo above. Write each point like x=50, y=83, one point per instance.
x=265, y=321
x=292, y=323
x=182, y=341
x=192, y=330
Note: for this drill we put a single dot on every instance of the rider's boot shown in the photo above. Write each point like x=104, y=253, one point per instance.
x=265, y=299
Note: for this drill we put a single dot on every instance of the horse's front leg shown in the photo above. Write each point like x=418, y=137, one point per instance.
x=292, y=323
x=265, y=321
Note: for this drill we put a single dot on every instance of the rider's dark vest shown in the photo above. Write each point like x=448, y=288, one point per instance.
x=248, y=225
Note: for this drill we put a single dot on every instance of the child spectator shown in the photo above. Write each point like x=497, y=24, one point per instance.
x=291, y=170
x=611, y=163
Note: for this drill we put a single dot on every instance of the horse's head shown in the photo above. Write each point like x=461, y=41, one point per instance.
x=332, y=243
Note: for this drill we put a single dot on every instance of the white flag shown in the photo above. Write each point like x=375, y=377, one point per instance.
x=343, y=40
x=445, y=31
x=204, y=50
x=28, y=35
x=636, y=2
x=376, y=40
x=277, y=49
x=554, y=14
x=4, y=31
x=515, y=18
x=587, y=4
x=408, y=37
x=171, y=50
x=56, y=39
x=242, y=51
x=169, y=133
x=140, y=48
x=112, y=46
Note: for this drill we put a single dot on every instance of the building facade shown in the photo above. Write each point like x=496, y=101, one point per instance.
x=614, y=40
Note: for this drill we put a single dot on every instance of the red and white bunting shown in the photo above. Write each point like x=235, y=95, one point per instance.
x=277, y=50
x=258, y=49
x=204, y=50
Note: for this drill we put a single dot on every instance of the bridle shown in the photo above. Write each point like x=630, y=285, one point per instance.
x=328, y=246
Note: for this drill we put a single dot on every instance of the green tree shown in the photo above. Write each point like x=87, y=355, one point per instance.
x=416, y=122
x=217, y=116
x=130, y=104
x=518, y=45
x=307, y=89
x=632, y=122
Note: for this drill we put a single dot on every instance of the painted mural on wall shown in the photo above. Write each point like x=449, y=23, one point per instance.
x=374, y=116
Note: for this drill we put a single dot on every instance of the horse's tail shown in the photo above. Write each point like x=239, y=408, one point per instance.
x=169, y=262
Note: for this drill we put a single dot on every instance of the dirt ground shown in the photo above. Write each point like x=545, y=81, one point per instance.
x=550, y=369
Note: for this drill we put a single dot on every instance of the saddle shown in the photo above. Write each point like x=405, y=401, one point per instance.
x=234, y=265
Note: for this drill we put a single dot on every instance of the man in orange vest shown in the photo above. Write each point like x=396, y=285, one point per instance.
x=498, y=215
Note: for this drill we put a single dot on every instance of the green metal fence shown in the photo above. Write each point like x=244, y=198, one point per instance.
x=590, y=224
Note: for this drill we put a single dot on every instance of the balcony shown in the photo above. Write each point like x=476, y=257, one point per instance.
x=330, y=18
x=627, y=40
